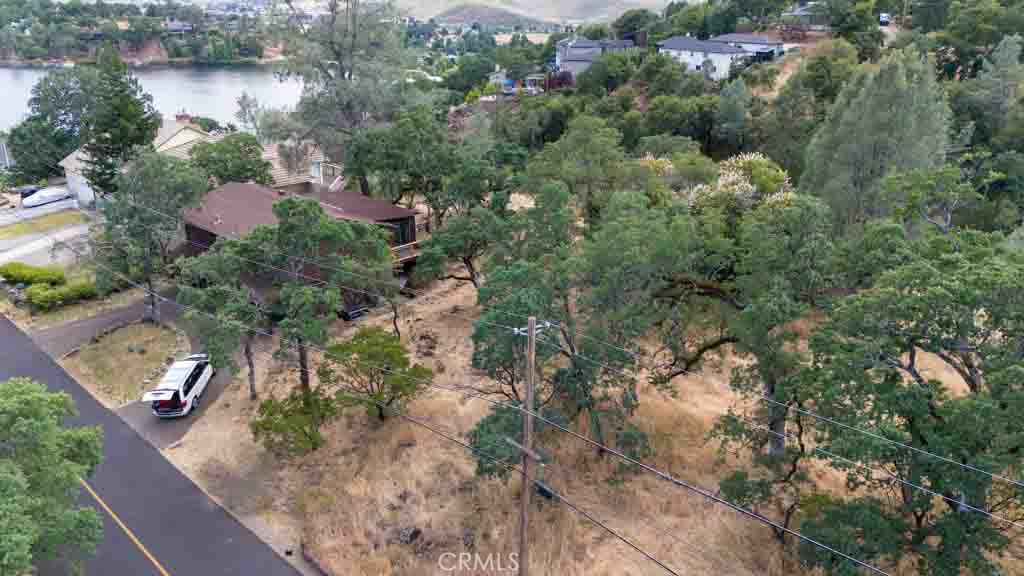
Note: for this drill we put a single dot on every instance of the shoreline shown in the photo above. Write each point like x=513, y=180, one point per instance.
x=168, y=63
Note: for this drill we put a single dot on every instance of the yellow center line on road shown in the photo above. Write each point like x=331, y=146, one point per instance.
x=129, y=533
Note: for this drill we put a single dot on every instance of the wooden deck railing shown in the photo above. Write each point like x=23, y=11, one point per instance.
x=405, y=252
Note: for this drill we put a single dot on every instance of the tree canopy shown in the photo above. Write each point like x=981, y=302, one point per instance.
x=122, y=122
x=235, y=158
x=41, y=462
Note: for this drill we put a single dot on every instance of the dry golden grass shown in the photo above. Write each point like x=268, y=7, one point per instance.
x=353, y=504
x=43, y=224
x=788, y=65
x=117, y=366
x=533, y=37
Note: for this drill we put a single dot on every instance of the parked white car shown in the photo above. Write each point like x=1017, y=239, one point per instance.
x=179, y=391
x=45, y=196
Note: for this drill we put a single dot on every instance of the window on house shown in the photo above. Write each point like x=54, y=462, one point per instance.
x=698, y=67
x=314, y=170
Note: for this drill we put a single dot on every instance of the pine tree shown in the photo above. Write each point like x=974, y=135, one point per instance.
x=884, y=122
x=124, y=119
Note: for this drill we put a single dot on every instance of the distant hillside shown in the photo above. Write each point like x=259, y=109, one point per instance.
x=543, y=10
x=486, y=15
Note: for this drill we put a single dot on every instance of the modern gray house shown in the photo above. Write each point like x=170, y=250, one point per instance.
x=761, y=47
x=576, y=54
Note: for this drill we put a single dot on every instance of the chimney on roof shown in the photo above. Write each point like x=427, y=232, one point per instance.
x=183, y=117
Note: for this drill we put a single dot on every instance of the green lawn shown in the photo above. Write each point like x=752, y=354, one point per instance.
x=43, y=224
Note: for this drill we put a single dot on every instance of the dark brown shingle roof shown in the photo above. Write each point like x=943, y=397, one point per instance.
x=235, y=209
x=363, y=207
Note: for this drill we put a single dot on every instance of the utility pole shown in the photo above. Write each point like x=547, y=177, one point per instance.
x=527, y=489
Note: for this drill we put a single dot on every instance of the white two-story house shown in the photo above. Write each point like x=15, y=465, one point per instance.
x=714, y=59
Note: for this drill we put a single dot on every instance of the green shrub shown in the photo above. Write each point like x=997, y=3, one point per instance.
x=18, y=273
x=44, y=297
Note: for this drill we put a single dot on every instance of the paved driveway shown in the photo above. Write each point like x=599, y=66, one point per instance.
x=60, y=340
x=14, y=215
x=38, y=249
x=180, y=526
x=162, y=433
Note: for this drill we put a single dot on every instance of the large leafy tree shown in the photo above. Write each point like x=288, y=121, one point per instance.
x=587, y=159
x=41, y=462
x=142, y=221
x=471, y=71
x=857, y=23
x=972, y=29
x=953, y=300
x=406, y=158
x=306, y=245
x=350, y=62
x=372, y=369
x=534, y=270
x=60, y=104
x=693, y=117
x=464, y=239
x=222, y=309
x=633, y=21
x=608, y=72
x=235, y=158
x=986, y=101
x=36, y=148
x=803, y=103
x=341, y=252
x=123, y=120
x=890, y=120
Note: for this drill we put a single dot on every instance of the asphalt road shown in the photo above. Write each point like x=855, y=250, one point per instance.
x=182, y=528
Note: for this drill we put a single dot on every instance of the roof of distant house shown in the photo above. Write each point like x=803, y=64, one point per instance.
x=745, y=39
x=694, y=45
x=169, y=128
x=589, y=57
x=168, y=141
x=617, y=44
x=279, y=171
x=579, y=42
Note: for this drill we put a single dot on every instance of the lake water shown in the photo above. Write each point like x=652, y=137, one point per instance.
x=200, y=91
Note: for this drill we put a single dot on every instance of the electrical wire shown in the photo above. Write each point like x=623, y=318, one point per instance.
x=821, y=450
x=663, y=475
x=319, y=264
x=953, y=501
x=578, y=509
x=763, y=398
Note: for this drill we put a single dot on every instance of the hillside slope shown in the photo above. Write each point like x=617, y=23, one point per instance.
x=562, y=11
x=487, y=15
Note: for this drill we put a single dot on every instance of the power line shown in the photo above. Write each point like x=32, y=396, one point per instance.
x=511, y=467
x=317, y=281
x=821, y=418
x=953, y=501
x=318, y=263
x=381, y=405
x=658, y=527
x=665, y=476
x=959, y=503
x=893, y=442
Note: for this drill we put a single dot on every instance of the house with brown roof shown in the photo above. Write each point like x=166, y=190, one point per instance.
x=236, y=209
x=170, y=135
x=179, y=136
